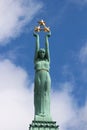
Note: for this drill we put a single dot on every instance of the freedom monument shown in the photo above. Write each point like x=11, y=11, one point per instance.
x=42, y=83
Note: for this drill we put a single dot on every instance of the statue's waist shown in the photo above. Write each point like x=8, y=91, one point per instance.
x=42, y=70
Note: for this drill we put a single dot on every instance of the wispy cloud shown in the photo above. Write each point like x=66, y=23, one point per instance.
x=82, y=58
x=79, y=2
x=14, y=15
x=83, y=54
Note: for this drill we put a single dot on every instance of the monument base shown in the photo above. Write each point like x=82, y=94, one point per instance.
x=43, y=125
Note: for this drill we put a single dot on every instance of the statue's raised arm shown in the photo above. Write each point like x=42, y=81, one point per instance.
x=37, y=46
x=47, y=46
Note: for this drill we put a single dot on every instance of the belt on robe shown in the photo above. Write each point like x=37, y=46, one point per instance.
x=42, y=69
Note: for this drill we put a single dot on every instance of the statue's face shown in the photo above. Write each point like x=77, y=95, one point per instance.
x=42, y=54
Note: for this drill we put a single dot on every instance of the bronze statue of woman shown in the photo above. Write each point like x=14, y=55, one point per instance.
x=42, y=82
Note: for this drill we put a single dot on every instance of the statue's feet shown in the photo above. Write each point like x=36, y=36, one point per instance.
x=42, y=117
x=41, y=114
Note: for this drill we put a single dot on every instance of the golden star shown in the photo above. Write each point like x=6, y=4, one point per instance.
x=42, y=22
x=47, y=29
x=37, y=29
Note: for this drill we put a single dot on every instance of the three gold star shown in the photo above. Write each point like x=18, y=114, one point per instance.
x=42, y=27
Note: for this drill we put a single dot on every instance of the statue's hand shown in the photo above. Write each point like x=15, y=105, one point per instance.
x=48, y=34
x=35, y=34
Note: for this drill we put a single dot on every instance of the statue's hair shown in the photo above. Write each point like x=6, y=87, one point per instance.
x=41, y=49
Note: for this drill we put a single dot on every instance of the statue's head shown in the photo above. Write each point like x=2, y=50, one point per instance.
x=41, y=53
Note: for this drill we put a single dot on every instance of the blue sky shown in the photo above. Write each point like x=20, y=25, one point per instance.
x=68, y=47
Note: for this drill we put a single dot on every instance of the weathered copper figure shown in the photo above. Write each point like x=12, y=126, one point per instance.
x=42, y=81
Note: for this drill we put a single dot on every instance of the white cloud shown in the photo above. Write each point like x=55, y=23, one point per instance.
x=16, y=100
x=65, y=110
x=14, y=15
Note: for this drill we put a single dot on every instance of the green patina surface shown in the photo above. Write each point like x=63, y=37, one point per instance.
x=42, y=82
x=42, y=87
